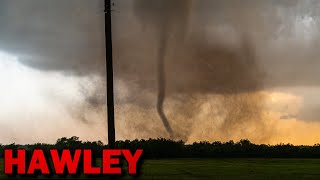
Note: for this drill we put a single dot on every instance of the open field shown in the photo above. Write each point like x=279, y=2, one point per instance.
x=228, y=169
x=232, y=169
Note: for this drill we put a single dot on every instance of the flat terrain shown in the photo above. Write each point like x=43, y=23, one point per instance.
x=227, y=169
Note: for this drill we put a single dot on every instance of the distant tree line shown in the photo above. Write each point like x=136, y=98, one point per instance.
x=164, y=148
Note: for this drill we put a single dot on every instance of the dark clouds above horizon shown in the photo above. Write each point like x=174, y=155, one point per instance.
x=69, y=36
x=65, y=36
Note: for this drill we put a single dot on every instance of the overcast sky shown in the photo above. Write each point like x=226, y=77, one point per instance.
x=240, y=69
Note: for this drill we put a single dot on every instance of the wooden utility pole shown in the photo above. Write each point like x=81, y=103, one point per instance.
x=109, y=68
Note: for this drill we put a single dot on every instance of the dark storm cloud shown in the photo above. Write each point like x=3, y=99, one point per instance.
x=225, y=42
x=54, y=35
x=68, y=36
x=192, y=64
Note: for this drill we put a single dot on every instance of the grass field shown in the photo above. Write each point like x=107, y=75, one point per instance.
x=227, y=169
